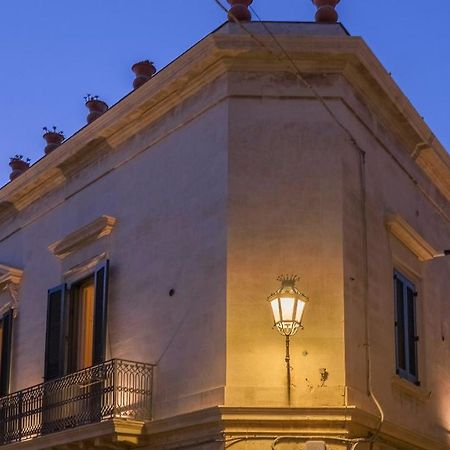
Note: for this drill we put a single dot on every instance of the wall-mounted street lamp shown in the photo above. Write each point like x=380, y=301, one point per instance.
x=288, y=305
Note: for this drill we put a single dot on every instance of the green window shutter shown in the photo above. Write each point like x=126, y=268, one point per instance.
x=412, y=331
x=100, y=312
x=406, y=328
x=5, y=366
x=400, y=323
x=55, y=335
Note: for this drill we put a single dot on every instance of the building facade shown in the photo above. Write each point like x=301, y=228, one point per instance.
x=136, y=260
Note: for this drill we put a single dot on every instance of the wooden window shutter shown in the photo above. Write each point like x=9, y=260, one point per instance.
x=7, y=324
x=406, y=328
x=412, y=331
x=400, y=323
x=55, y=336
x=100, y=313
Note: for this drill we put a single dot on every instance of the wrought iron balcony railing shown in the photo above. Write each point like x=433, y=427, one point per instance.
x=114, y=389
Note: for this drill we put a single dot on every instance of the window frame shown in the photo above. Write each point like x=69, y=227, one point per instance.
x=65, y=353
x=410, y=337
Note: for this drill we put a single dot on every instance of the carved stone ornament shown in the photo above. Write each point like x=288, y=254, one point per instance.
x=91, y=232
x=10, y=279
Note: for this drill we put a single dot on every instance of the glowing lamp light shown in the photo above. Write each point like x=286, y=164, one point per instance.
x=288, y=306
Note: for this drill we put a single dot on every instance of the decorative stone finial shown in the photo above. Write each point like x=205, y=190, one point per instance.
x=326, y=12
x=18, y=166
x=143, y=70
x=95, y=106
x=239, y=10
x=53, y=138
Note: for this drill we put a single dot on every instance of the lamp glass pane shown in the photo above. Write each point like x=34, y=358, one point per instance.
x=300, y=310
x=275, y=310
x=287, y=308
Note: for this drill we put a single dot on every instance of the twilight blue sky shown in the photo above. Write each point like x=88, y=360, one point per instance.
x=53, y=52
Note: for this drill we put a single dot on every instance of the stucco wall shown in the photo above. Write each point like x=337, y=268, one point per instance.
x=169, y=200
x=296, y=206
x=285, y=217
x=394, y=185
x=248, y=179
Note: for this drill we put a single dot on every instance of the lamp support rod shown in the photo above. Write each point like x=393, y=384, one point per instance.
x=288, y=369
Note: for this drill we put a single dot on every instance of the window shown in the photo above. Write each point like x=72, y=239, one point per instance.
x=76, y=325
x=81, y=325
x=5, y=351
x=405, y=296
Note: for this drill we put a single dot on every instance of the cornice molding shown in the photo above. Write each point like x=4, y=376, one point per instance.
x=223, y=51
x=10, y=275
x=33, y=186
x=436, y=167
x=410, y=238
x=273, y=422
x=114, y=434
x=85, y=235
x=213, y=424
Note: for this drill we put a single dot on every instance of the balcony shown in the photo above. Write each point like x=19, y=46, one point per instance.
x=116, y=389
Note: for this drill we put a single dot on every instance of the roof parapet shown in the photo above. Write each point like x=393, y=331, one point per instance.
x=315, y=49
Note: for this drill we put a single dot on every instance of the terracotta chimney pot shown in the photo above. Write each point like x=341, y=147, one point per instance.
x=18, y=166
x=326, y=12
x=53, y=139
x=95, y=106
x=239, y=10
x=144, y=70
